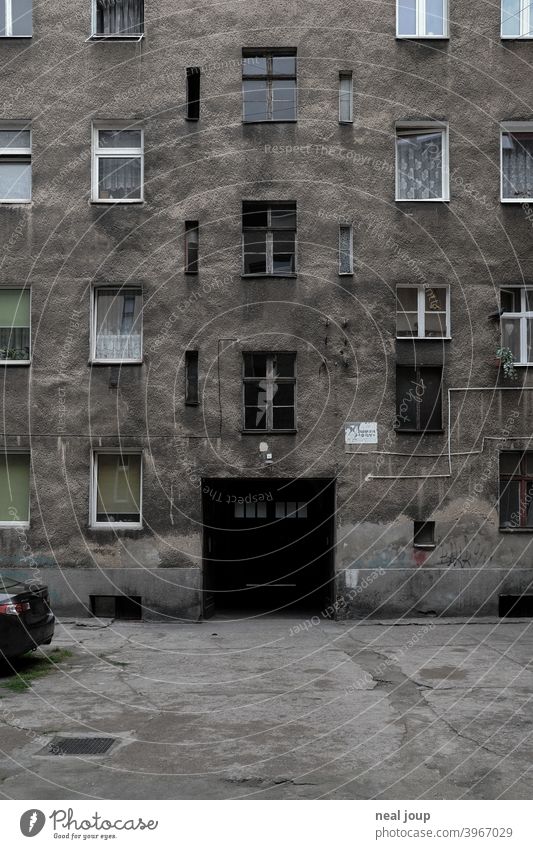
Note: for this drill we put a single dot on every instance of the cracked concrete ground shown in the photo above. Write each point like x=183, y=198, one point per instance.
x=276, y=708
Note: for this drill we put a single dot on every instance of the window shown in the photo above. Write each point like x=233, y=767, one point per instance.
x=15, y=164
x=15, y=18
x=118, y=19
x=269, y=238
x=269, y=85
x=517, y=323
x=15, y=326
x=422, y=162
x=250, y=510
x=418, y=398
x=345, y=249
x=516, y=489
x=345, y=97
x=117, y=487
x=421, y=18
x=517, y=19
x=117, y=325
x=291, y=510
x=423, y=312
x=192, y=240
x=424, y=535
x=14, y=488
x=517, y=162
x=191, y=378
x=193, y=94
x=117, y=165
x=269, y=392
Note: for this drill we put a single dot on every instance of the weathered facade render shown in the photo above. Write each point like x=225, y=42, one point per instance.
x=353, y=553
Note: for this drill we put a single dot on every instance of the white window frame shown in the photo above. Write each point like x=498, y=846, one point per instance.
x=94, y=491
x=430, y=127
x=19, y=362
x=346, y=75
x=95, y=290
x=525, y=22
x=23, y=524
x=421, y=307
x=523, y=316
x=115, y=153
x=18, y=151
x=349, y=227
x=512, y=127
x=96, y=36
x=421, y=21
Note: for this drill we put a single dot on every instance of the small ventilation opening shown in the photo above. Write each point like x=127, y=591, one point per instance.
x=516, y=605
x=116, y=606
x=424, y=535
x=79, y=746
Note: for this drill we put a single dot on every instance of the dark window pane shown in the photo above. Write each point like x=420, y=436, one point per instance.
x=436, y=324
x=283, y=418
x=510, y=504
x=254, y=259
x=255, y=100
x=407, y=298
x=527, y=510
x=254, y=215
x=429, y=384
x=254, y=392
x=435, y=299
x=283, y=394
x=191, y=246
x=406, y=403
x=119, y=138
x=191, y=377
x=255, y=418
x=193, y=94
x=284, y=65
x=283, y=365
x=283, y=253
x=528, y=458
x=255, y=365
x=510, y=300
x=283, y=216
x=510, y=462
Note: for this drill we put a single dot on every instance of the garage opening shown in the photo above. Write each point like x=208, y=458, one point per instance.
x=268, y=543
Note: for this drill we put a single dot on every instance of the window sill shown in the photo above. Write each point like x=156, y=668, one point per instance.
x=113, y=202
x=24, y=363
x=116, y=526
x=270, y=432
x=422, y=37
x=20, y=201
x=515, y=530
x=516, y=37
x=116, y=38
x=267, y=121
x=422, y=200
x=516, y=200
x=191, y=273
x=345, y=273
x=14, y=37
x=423, y=338
x=192, y=403
x=6, y=525
x=115, y=362
x=267, y=276
x=429, y=547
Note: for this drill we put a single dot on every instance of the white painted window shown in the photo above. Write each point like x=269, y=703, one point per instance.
x=15, y=18
x=422, y=18
x=422, y=170
x=516, y=162
x=345, y=97
x=517, y=19
x=517, y=323
x=117, y=19
x=14, y=488
x=15, y=163
x=423, y=312
x=345, y=249
x=116, y=496
x=15, y=326
x=118, y=164
x=116, y=325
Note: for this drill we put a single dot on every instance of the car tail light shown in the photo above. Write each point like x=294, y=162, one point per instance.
x=15, y=608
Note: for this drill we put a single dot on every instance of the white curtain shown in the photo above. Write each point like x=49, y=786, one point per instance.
x=517, y=165
x=119, y=177
x=118, y=334
x=119, y=17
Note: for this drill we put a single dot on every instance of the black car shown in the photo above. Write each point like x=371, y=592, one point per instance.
x=26, y=620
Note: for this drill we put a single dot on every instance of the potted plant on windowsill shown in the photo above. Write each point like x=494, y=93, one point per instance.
x=505, y=360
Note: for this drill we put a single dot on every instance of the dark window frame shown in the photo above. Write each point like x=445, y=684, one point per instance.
x=270, y=77
x=424, y=533
x=268, y=206
x=269, y=381
x=193, y=94
x=192, y=394
x=192, y=248
x=417, y=401
x=524, y=479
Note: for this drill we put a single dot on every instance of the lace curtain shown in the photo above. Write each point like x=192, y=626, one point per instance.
x=419, y=165
x=118, y=326
x=119, y=17
x=517, y=165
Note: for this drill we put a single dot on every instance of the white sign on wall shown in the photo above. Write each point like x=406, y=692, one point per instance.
x=361, y=433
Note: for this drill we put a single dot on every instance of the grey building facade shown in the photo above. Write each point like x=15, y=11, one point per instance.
x=328, y=253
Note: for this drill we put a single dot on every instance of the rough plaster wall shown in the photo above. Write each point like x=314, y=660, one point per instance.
x=342, y=328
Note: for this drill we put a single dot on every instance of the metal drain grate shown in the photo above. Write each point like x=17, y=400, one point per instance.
x=79, y=746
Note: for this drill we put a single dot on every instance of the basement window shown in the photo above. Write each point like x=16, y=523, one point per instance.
x=118, y=20
x=193, y=94
x=118, y=164
x=16, y=18
x=14, y=488
x=191, y=378
x=422, y=312
x=116, y=606
x=15, y=326
x=418, y=399
x=424, y=535
x=192, y=246
x=269, y=85
x=117, y=326
x=269, y=392
x=516, y=490
x=15, y=163
x=421, y=18
x=269, y=238
x=117, y=490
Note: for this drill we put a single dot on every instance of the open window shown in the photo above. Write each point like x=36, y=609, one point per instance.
x=117, y=489
x=15, y=326
x=117, y=20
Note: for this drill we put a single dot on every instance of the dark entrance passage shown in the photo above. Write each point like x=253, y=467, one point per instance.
x=268, y=543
